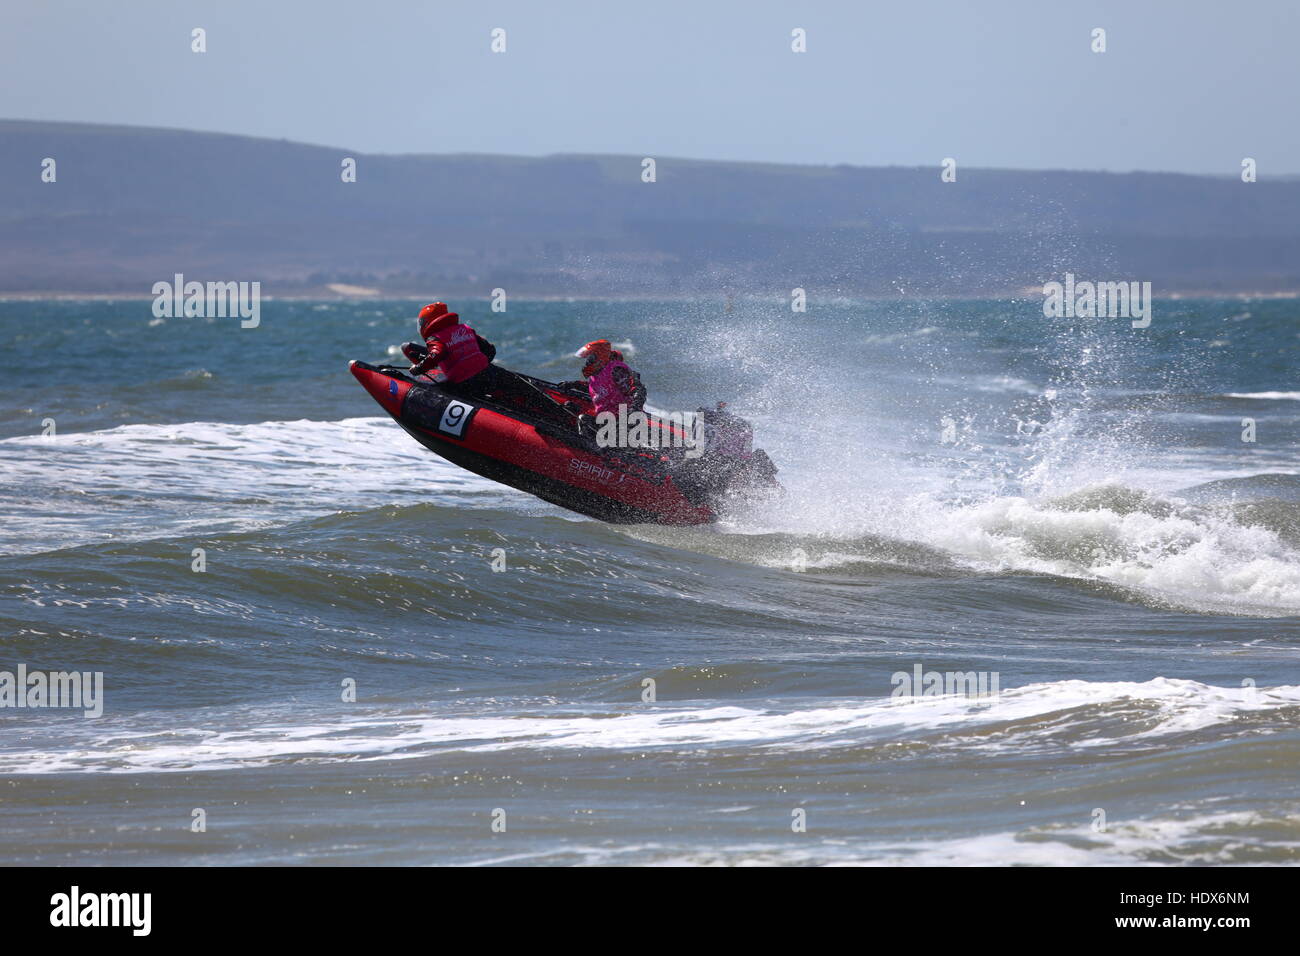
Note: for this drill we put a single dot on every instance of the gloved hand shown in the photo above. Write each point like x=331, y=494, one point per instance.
x=432, y=354
x=414, y=352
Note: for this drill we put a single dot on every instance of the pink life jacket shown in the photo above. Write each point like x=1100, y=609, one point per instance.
x=611, y=387
x=461, y=356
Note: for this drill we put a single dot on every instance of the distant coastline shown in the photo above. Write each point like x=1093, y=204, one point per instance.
x=128, y=206
x=381, y=295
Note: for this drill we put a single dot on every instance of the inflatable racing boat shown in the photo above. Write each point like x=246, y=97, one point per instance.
x=539, y=437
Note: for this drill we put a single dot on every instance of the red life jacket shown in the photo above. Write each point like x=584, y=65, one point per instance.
x=612, y=386
x=461, y=356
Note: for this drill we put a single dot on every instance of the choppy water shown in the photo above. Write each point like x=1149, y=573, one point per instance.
x=1064, y=506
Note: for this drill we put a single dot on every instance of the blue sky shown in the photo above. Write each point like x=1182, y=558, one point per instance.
x=1186, y=86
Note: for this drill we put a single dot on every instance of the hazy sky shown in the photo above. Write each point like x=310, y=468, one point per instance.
x=1185, y=85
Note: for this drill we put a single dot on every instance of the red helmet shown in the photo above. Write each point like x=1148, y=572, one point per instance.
x=435, y=316
x=597, y=354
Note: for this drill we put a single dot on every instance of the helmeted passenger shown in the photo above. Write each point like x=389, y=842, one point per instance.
x=610, y=381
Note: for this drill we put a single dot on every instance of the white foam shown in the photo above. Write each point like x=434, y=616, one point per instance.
x=1204, y=839
x=215, y=476
x=1164, y=706
x=1194, y=838
x=1196, y=558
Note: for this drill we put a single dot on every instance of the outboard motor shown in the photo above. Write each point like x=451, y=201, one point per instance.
x=725, y=434
x=729, y=464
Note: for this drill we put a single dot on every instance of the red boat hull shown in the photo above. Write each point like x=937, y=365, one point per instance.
x=564, y=469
